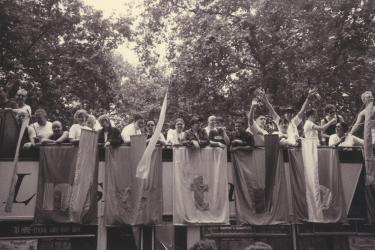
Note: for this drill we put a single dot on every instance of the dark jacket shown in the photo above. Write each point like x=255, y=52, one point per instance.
x=114, y=136
x=246, y=138
x=202, y=137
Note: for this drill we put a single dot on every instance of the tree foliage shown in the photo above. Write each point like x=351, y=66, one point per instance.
x=220, y=51
x=61, y=52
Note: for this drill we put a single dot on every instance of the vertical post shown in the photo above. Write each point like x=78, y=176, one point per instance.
x=193, y=235
x=294, y=236
x=102, y=229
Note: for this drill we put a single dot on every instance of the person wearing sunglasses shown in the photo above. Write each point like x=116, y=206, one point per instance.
x=174, y=136
x=150, y=129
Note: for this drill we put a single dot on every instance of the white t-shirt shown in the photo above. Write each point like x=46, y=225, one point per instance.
x=258, y=134
x=75, y=131
x=310, y=131
x=350, y=141
x=128, y=131
x=293, y=133
x=173, y=137
x=40, y=132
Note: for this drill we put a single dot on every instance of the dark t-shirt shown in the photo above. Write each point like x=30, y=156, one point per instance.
x=245, y=136
x=8, y=104
x=216, y=135
x=56, y=137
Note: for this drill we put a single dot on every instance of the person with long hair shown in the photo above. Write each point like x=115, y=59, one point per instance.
x=80, y=117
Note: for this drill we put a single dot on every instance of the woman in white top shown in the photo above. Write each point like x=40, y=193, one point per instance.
x=310, y=161
x=174, y=136
x=80, y=117
x=342, y=138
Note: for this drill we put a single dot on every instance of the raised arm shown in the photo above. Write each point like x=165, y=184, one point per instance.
x=325, y=126
x=359, y=121
x=311, y=94
x=270, y=108
x=250, y=117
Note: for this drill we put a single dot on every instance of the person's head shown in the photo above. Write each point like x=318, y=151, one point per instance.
x=150, y=127
x=220, y=121
x=3, y=93
x=341, y=128
x=57, y=128
x=91, y=121
x=138, y=121
x=211, y=121
x=367, y=97
x=283, y=125
x=21, y=95
x=80, y=116
x=258, y=245
x=195, y=122
x=289, y=113
x=311, y=114
x=330, y=110
x=261, y=121
x=239, y=125
x=104, y=121
x=180, y=124
x=21, y=115
x=204, y=245
x=41, y=116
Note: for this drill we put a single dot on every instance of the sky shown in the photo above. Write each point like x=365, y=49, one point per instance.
x=118, y=8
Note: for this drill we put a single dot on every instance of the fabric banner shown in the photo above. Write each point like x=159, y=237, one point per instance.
x=331, y=192
x=369, y=158
x=132, y=200
x=67, y=187
x=249, y=176
x=18, y=244
x=200, y=186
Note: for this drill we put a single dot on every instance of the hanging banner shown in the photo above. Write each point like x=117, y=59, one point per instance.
x=132, y=200
x=200, y=186
x=67, y=188
x=331, y=202
x=249, y=176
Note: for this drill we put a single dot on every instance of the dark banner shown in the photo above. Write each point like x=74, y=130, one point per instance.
x=67, y=187
x=331, y=194
x=250, y=182
x=131, y=200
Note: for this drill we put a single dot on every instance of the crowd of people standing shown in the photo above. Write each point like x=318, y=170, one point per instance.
x=291, y=128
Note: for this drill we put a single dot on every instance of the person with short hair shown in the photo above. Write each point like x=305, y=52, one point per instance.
x=41, y=129
x=367, y=98
x=58, y=136
x=204, y=245
x=283, y=132
x=257, y=126
x=108, y=135
x=150, y=129
x=342, y=138
x=196, y=136
x=92, y=123
x=216, y=135
x=5, y=103
x=330, y=113
x=241, y=137
x=134, y=128
x=175, y=136
x=21, y=97
x=80, y=118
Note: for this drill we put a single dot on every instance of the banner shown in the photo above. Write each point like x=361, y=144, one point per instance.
x=67, y=187
x=18, y=244
x=200, y=186
x=368, y=153
x=249, y=176
x=132, y=200
x=330, y=186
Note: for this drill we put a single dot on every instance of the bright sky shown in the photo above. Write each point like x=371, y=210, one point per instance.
x=118, y=8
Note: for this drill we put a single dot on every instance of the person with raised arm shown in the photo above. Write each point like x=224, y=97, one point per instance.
x=257, y=126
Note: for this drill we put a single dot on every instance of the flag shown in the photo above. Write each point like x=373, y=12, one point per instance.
x=131, y=200
x=250, y=182
x=144, y=164
x=200, y=186
x=330, y=187
x=67, y=185
x=369, y=157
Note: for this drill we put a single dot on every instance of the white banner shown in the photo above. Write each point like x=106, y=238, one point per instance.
x=200, y=186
